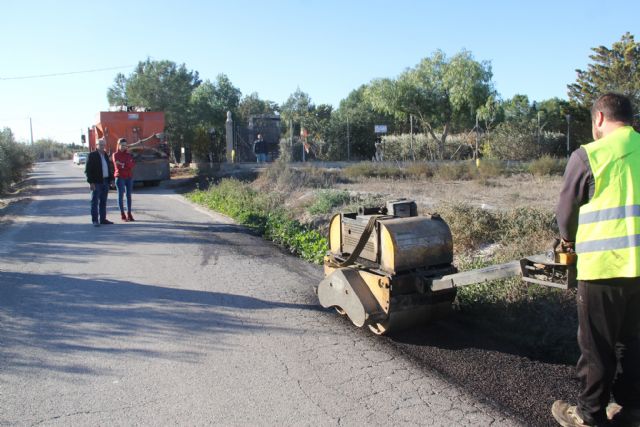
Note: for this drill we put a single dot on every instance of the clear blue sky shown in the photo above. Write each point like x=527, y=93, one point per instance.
x=325, y=47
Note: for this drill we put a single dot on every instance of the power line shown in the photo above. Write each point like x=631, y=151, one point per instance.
x=37, y=76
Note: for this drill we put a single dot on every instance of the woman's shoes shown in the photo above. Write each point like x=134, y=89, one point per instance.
x=123, y=216
x=129, y=217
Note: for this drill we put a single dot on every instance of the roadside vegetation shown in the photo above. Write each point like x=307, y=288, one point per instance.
x=15, y=160
x=292, y=207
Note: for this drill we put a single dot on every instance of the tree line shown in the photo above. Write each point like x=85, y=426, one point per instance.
x=450, y=101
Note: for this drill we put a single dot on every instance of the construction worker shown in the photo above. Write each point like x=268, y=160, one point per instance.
x=598, y=215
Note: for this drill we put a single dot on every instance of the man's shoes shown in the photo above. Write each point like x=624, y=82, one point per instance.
x=567, y=415
x=130, y=217
x=96, y=224
x=106, y=222
x=123, y=216
x=621, y=417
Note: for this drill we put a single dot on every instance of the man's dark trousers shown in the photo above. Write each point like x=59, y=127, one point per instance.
x=99, y=201
x=609, y=325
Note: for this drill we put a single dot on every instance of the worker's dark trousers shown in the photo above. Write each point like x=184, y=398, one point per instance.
x=609, y=339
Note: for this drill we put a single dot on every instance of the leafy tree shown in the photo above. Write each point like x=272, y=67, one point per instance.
x=552, y=114
x=444, y=94
x=210, y=101
x=518, y=109
x=208, y=105
x=491, y=113
x=615, y=69
x=357, y=115
x=252, y=104
x=297, y=107
x=159, y=86
x=117, y=94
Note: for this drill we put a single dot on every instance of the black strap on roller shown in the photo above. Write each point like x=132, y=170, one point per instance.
x=359, y=247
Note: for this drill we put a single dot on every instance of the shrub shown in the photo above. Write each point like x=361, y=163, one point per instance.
x=521, y=231
x=15, y=160
x=547, y=165
x=470, y=226
x=418, y=170
x=399, y=147
x=282, y=176
x=491, y=168
x=456, y=171
x=327, y=200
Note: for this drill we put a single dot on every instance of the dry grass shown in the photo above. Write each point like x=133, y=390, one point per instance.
x=281, y=176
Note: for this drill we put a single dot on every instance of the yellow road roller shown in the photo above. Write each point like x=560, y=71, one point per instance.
x=389, y=268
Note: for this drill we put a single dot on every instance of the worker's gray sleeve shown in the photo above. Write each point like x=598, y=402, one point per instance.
x=577, y=189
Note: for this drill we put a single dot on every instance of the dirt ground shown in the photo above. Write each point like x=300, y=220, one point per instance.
x=522, y=190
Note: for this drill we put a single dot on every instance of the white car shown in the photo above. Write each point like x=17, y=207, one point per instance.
x=80, y=158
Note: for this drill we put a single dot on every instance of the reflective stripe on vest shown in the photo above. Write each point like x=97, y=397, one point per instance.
x=609, y=214
x=608, y=236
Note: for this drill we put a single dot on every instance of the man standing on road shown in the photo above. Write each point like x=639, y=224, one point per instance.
x=99, y=176
x=599, y=214
x=260, y=149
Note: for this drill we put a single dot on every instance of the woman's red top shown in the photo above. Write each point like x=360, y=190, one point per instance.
x=123, y=163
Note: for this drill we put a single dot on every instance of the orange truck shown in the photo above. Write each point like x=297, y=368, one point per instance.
x=144, y=132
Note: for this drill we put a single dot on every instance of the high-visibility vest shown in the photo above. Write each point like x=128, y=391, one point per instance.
x=608, y=237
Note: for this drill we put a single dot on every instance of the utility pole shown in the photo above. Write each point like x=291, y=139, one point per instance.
x=348, y=142
x=31, y=129
x=477, y=128
x=539, y=130
x=413, y=154
x=291, y=138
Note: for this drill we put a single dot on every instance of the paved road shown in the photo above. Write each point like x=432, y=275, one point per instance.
x=184, y=318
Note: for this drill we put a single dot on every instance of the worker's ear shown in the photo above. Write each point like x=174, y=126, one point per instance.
x=598, y=119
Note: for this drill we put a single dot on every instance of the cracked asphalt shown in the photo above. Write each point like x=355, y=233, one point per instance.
x=185, y=318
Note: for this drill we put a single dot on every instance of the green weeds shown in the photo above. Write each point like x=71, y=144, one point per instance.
x=263, y=212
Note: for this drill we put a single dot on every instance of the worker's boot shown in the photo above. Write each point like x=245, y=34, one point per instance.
x=567, y=415
x=130, y=217
x=123, y=216
x=621, y=417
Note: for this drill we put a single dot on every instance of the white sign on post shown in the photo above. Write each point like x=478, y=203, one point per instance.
x=380, y=128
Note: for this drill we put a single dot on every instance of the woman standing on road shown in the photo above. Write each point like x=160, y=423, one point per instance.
x=124, y=163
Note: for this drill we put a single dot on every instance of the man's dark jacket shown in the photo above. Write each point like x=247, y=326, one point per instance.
x=93, y=168
x=260, y=147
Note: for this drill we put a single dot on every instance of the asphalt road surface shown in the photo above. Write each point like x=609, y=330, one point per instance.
x=184, y=318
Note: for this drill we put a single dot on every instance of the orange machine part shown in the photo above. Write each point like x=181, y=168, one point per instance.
x=134, y=126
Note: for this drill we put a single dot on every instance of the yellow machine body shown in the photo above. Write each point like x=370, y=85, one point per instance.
x=396, y=244
x=389, y=269
x=388, y=287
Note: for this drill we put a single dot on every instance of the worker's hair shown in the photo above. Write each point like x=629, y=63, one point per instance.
x=614, y=106
x=122, y=141
x=102, y=141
